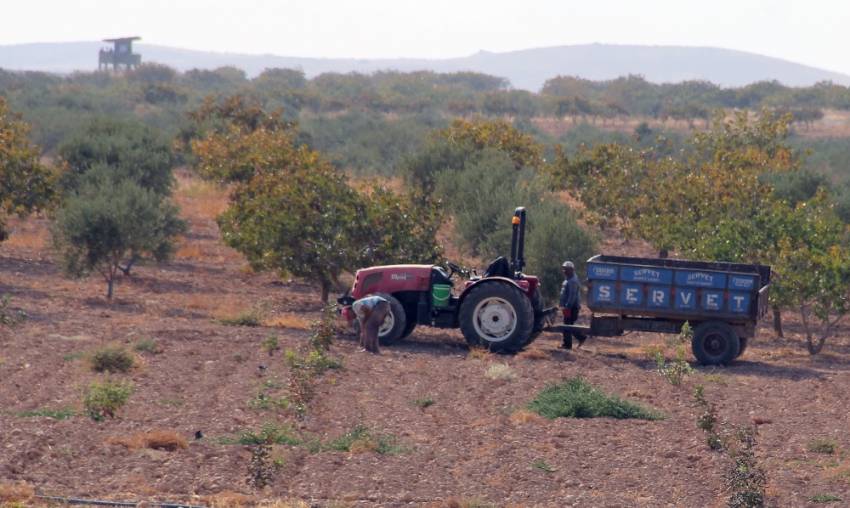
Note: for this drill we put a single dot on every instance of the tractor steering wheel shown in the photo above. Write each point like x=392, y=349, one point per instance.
x=453, y=269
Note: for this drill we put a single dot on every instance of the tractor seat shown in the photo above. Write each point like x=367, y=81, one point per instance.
x=499, y=268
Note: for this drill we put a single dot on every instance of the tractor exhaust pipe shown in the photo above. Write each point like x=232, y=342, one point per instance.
x=518, y=240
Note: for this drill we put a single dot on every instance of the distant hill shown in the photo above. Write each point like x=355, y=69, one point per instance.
x=526, y=69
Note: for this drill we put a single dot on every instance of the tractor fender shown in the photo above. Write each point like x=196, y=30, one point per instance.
x=491, y=280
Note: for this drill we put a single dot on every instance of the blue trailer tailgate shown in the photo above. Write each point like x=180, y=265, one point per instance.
x=674, y=289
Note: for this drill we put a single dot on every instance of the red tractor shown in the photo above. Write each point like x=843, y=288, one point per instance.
x=501, y=310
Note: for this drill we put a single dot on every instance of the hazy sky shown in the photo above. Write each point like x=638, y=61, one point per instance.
x=814, y=32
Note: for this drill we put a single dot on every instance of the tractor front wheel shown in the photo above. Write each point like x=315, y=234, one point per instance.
x=395, y=324
x=498, y=316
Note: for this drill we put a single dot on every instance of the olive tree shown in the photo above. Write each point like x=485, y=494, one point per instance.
x=481, y=198
x=554, y=235
x=130, y=149
x=465, y=142
x=109, y=221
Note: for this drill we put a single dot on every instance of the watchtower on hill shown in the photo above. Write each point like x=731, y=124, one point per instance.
x=120, y=54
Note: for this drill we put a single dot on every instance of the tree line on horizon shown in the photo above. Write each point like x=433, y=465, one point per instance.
x=160, y=94
x=370, y=123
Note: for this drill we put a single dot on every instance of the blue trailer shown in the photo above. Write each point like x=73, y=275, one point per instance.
x=722, y=302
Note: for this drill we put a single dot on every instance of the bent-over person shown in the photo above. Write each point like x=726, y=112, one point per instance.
x=371, y=312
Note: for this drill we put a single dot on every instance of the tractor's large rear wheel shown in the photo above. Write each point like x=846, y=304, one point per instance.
x=497, y=316
x=537, y=307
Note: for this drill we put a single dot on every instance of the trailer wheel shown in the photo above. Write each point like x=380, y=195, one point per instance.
x=743, y=341
x=498, y=316
x=393, y=328
x=715, y=343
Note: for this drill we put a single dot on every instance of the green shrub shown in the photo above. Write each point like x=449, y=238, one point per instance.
x=315, y=362
x=708, y=420
x=303, y=369
x=56, y=414
x=103, y=399
x=265, y=399
x=825, y=498
x=269, y=434
x=324, y=331
x=8, y=316
x=147, y=346
x=745, y=477
x=262, y=468
x=576, y=398
x=822, y=445
x=361, y=439
x=424, y=402
x=675, y=371
x=112, y=359
x=270, y=344
x=250, y=318
x=543, y=466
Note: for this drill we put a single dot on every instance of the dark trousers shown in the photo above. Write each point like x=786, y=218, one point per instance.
x=568, y=336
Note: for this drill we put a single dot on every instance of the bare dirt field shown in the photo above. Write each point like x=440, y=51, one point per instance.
x=460, y=435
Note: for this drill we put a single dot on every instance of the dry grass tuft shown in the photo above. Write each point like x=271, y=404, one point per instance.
x=284, y=503
x=465, y=502
x=533, y=354
x=288, y=320
x=500, y=371
x=478, y=353
x=229, y=499
x=165, y=440
x=16, y=493
x=522, y=416
x=364, y=445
